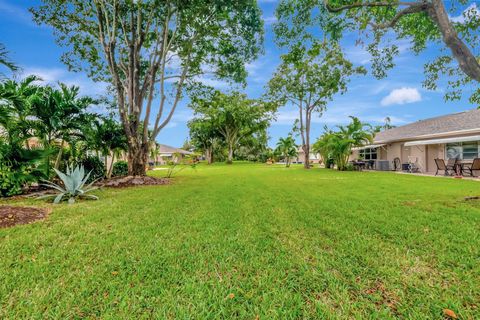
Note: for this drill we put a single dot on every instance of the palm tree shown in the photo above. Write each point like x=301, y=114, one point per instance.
x=5, y=61
x=16, y=100
x=287, y=148
x=337, y=145
x=106, y=137
x=61, y=114
x=19, y=163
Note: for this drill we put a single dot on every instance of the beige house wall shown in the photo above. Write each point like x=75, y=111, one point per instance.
x=425, y=154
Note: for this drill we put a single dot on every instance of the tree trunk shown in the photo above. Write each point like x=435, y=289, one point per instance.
x=230, y=154
x=464, y=56
x=109, y=172
x=306, y=146
x=306, y=158
x=137, y=159
x=209, y=155
x=59, y=156
x=106, y=164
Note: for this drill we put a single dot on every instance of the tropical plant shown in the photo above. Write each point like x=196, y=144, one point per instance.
x=337, y=145
x=73, y=186
x=106, y=137
x=5, y=61
x=120, y=169
x=385, y=126
x=95, y=166
x=21, y=162
x=60, y=114
x=149, y=48
x=179, y=163
x=287, y=149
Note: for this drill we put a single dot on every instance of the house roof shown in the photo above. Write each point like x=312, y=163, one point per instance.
x=164, y=149
x=451, y=124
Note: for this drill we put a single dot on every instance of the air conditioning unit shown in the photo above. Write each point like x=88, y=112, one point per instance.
x=383, y=165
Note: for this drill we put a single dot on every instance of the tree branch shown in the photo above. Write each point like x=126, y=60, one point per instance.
x=368, y=4
x=414, y=8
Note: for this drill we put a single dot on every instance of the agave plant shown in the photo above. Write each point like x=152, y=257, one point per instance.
x=74, y=186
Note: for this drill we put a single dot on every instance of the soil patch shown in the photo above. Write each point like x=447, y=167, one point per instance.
x=384, y=297
x=133, y=181
x=11, y=215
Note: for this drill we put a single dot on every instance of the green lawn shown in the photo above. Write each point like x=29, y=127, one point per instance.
x=247, y=241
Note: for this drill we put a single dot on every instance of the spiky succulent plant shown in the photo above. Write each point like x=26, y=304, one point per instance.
x=73, y=186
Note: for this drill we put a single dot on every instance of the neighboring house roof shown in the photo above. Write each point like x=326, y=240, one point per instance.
x=168, y=150
x=448, y=125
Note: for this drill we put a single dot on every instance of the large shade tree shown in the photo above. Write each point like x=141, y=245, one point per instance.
x=148, y=49
x=308, y=78
x=234, y=116
x=383, y=23
x=204, y=136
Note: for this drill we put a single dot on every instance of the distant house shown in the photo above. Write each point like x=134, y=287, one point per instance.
x=446, y=137
x=314, y=157
x=167, y=154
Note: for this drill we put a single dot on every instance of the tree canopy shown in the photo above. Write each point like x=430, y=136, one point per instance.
x=153, y=48
x=233, y=116
x=308, y=78
x=380, y=24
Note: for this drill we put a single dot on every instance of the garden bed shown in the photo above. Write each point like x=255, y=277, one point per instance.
x=12, y=215
x=133, y=181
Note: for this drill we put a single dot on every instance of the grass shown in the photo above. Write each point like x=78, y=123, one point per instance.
x=252, y=241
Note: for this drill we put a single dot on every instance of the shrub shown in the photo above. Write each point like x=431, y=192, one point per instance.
x=120, y=169
x=10, y=184
x=95, y=166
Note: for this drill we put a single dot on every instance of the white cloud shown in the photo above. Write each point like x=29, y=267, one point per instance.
x=358, y=55
x=9, y=10
x=381, y=119
x=269, y=20
x=52, y=76
x=402, y=96
x=212, y=82
x=467, y=14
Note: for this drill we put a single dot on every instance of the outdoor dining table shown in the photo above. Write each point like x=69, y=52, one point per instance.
x=359, y=165
x=460, y=165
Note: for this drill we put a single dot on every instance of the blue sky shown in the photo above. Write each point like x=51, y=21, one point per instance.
x=400, y=96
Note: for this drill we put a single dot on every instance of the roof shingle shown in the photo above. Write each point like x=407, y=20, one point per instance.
x=467, y=120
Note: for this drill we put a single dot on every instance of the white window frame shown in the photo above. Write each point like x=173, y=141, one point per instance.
x=460, y=145
x=370, y=152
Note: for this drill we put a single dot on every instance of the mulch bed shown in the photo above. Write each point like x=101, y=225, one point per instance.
x=11, y=215
x=133, y=181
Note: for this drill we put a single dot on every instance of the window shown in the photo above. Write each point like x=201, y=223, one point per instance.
x=462, y=150
x=368, y=154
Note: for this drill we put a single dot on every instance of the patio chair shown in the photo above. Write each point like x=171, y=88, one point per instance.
x=475, y=166
x=451, y=163
x=413, y=166
x=441, y=166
